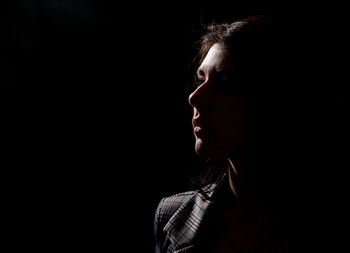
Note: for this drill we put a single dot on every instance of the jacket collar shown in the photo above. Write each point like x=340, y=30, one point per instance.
x=183, y=226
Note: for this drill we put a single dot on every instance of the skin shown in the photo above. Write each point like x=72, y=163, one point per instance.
x=221, y=113
x=219, y=117
x=220, y=123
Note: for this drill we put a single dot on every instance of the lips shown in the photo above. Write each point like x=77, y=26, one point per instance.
x=197, y=129
x=200, y=128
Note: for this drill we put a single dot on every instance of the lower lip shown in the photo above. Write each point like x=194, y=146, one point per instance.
x=200, y=132
x=197, y=129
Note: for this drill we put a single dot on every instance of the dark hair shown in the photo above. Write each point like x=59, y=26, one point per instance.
x=251, y=43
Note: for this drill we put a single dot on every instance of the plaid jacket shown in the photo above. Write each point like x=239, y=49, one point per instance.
x=178, y=220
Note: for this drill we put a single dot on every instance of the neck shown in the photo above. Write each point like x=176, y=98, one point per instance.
x=242, y=182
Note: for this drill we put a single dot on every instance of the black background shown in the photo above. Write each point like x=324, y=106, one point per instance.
x=97, y=124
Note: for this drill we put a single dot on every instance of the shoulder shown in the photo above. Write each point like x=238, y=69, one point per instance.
x=178, y=218
x=169, y=205
x=167, y=215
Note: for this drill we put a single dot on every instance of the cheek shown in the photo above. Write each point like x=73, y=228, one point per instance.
x=231, y=126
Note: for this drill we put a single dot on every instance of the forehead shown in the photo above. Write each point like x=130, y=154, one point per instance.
x=217, y=59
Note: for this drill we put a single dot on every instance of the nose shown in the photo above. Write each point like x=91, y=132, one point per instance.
x=200, y=97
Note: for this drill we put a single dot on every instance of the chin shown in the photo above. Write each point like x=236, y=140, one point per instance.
x=207, y=151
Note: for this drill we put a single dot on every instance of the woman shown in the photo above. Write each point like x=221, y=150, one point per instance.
x=231, y=211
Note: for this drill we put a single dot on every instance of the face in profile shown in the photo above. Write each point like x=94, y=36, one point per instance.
x=219, y=119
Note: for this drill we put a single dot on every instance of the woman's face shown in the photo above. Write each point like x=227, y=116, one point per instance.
x=219, y=120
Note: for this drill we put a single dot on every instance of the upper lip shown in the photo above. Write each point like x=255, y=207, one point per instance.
x=197, y=122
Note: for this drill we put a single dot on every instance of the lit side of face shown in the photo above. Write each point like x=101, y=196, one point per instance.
x=219, y=119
